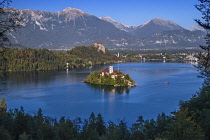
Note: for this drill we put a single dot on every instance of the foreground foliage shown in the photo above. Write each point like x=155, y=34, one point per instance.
x=204, y=57
x=190, y=122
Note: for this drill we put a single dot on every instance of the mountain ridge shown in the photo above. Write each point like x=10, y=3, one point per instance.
x=73, y=27
x=156, y=25
x=118, y=25
x=197, y=28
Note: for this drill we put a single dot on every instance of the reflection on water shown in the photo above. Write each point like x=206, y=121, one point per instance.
x=61, y=93
x=191, y=62
x=3, y=82
x=37, y=76
x=111, y=89
x=31, y=77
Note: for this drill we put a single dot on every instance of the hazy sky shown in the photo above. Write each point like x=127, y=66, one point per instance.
x=130, y=12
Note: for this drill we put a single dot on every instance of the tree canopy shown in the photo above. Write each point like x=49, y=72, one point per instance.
x=204, y=57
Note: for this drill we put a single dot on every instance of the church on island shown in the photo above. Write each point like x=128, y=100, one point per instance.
x=109, y=77
x=111, y=72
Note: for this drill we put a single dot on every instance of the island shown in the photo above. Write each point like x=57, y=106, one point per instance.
x=109, y=77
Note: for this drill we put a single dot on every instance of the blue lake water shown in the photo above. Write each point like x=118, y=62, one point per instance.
x=63, y=94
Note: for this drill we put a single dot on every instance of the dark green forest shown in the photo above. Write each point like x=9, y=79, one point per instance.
x=190, y=122
x=13, y=60
x=43, y=59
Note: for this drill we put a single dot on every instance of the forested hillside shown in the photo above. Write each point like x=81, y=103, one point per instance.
x=43, y=59
x=92, y=54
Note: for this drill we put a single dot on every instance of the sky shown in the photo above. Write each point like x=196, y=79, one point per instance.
x=130, y=12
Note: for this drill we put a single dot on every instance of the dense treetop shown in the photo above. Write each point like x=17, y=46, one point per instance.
x=43, y=59
x=116, y=78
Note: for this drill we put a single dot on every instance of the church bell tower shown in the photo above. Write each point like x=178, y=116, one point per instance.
x=111, y=69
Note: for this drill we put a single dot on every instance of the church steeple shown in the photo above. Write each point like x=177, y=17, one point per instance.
x=111, y=69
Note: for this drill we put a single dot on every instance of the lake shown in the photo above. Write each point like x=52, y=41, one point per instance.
x=63, y=94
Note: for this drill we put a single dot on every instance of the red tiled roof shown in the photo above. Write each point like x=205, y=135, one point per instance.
x=113, y=74
x=121, y=75
x=105, y=70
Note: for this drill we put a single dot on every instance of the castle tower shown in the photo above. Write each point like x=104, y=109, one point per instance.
x=100, y=47
x=111, y=69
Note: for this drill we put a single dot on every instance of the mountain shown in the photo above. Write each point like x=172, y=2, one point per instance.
x=64, y=29
x=73, y=27
x=155, y=26
x=118, y=25
x=197, y=28
x=174, y=39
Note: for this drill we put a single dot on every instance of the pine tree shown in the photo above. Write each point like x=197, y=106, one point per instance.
x=100, y=125
x=204, y=57
x=3, y=105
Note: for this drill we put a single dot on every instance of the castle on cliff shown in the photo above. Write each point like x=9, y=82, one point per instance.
x=100, y=47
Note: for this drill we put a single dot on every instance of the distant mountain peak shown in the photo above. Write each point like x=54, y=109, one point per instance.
x=69, y=9
x=118, y=25
x=72, y=11
x=197, y=28
x=163, y=23
x=160, y=22
x=156, y=25
x=158, y=19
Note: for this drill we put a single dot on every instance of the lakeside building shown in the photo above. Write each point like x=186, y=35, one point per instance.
x=191, y=58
